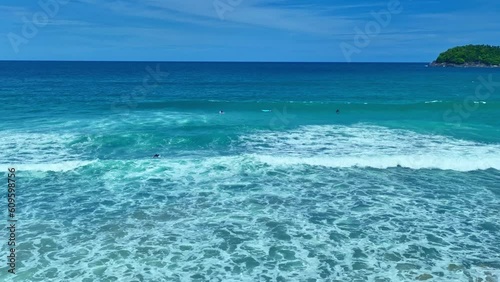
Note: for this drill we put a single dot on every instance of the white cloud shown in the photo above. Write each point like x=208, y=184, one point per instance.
x=59, y=22
x=314, y=20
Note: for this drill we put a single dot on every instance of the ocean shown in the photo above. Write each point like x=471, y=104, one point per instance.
x=266, y=171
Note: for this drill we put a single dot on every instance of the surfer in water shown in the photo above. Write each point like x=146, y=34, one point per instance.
x=156, y=156
x=338, y=111
x=221, y=112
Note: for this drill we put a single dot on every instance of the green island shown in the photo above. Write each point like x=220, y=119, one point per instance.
x=469, y=56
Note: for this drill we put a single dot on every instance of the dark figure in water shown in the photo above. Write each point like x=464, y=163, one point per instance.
x=156, y=156
x=338, y=111
x=221, y=112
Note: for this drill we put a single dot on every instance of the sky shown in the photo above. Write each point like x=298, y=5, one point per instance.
x=244, y=30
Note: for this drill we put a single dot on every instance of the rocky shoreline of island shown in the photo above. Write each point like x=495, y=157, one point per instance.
x=469, y=56
x=466, y=65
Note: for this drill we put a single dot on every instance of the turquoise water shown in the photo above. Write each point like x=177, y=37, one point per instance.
x=402, y=184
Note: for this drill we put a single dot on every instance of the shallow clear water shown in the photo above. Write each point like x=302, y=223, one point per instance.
x=402, y=184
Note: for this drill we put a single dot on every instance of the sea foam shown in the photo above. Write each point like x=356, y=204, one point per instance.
x=370, y=146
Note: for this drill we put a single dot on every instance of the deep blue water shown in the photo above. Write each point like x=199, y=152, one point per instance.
x=401, y=184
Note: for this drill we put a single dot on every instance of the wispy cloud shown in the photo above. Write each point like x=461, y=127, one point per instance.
x=315, y=20
x=61, y=22
x=12, y=11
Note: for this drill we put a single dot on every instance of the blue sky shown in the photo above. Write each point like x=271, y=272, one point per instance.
x=243, y=30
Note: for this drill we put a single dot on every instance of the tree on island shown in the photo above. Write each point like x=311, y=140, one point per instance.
x=471, y=55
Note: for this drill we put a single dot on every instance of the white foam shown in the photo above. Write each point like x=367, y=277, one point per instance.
x=419, y=162
x=18, y=147
x=46, y=167
x=370, y=146
x=328, y=145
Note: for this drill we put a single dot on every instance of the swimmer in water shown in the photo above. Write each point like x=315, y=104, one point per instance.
x=338, y=111
x=156, y=156
x=221, y=112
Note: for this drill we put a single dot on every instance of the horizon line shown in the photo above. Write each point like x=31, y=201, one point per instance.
x=149, y=61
